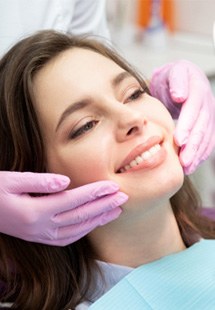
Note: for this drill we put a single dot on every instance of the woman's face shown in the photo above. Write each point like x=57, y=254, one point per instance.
x=98, y=124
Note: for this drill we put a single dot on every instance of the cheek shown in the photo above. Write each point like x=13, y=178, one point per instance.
x=89, y=169
x=82, y=167
x=165, y=119
x=158, y=113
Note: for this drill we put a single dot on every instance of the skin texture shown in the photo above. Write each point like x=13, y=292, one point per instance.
x=115, y=120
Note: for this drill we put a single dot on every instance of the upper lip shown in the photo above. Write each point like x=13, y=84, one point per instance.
x=139, y=149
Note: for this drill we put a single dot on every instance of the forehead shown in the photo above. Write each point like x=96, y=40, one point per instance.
x=79, y=63
x=73, y=74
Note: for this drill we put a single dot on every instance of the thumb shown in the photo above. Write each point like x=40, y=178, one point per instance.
x=28, y=182
x=178, y=82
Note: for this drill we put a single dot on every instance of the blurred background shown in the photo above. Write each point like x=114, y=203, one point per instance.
x=150, y=33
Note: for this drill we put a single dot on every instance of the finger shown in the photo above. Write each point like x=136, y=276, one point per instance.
x=90, y=209
x=28, y=182
x=211, y=145
x=196, y=142
x=87, y=226
x=157, y=80
x=204, y=150
x=70, y=199
x=179, y=82
x=189, y=114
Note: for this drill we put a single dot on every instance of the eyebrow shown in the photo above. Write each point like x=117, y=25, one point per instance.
x=86, y=102
x=71, y=109
x=120, y=77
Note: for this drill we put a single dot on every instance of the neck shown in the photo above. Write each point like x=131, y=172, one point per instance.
x=133, y=240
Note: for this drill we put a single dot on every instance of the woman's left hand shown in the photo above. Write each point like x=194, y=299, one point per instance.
x=187, y=94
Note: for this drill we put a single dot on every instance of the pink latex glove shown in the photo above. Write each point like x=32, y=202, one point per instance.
x=57, y=219
x=184, y=83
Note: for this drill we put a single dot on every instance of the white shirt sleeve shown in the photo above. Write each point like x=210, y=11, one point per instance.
x=90, y=17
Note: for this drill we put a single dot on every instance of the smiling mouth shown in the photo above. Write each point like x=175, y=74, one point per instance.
x=146, y=157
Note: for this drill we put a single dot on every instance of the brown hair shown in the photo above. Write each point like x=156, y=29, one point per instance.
x=41, y=276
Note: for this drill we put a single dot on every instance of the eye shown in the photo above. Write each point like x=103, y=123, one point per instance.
x=83, y=129
x=135, y=95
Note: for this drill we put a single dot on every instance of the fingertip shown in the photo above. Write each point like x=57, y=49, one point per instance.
x=57, y=182
x=121, y=198
x=178, y=91
x=110, y=216
x=180, y=137
x=112, y=184
x=179, y=83
x=188, y=170
x=185, y=157
x=103, y=188
x=177, y=97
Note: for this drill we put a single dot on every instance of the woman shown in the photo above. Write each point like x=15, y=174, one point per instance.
x=180, y=85
x=70, y=106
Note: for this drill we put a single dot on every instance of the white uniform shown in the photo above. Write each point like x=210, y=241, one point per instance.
x=19, y=18
x=108, y=277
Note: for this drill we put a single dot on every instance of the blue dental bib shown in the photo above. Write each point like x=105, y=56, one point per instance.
x=182, y=281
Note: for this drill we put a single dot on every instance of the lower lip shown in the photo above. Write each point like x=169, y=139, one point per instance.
x=151, y=163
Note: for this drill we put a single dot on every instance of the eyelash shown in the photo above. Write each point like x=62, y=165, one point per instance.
x=90, y=124
x=135, y=95
x=83, y=129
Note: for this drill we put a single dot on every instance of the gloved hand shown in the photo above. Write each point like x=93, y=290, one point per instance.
x=57, y=219
x=186, y=92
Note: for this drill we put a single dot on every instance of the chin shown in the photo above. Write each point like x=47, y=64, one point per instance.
x=153, y=190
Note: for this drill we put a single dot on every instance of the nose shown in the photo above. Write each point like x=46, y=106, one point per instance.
x=130, y=124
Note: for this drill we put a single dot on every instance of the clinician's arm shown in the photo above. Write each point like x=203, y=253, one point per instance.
x=186, y=92
x=89, y=17
x=57, y=219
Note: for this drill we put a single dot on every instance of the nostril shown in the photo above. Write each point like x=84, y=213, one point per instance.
x=132, y=130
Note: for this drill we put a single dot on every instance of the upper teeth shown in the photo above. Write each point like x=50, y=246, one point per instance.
x=140, y=158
